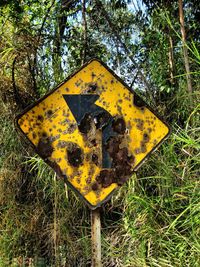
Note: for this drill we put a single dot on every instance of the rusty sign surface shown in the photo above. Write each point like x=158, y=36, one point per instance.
x=93, y=131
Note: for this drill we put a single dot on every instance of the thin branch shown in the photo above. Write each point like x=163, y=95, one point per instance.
x=32, y=72
x=66, y=3
x=171, y=59
x=44, y=20
x=134, y=79
x=84, y=32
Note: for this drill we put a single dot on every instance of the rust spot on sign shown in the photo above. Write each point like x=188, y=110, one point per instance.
x=119, y=125
x=74, y=155
x=86, y=124
x=105, y=178
x=44, y=148
x=92, y=87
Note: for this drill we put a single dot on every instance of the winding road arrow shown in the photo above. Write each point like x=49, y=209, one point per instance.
x=82, y=105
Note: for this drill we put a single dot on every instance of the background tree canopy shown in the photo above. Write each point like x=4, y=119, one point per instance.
x=154, y=219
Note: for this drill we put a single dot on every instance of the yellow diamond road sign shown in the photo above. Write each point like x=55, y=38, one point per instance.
x=93, y=131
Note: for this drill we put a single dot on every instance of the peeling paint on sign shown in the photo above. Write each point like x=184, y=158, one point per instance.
x=93, y=131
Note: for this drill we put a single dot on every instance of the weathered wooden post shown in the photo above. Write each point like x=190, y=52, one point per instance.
x=96, y=237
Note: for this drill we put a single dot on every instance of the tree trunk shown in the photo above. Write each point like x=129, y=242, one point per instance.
x=61, y=25
x=56, y=56
x=185, y=50
x=18, y=99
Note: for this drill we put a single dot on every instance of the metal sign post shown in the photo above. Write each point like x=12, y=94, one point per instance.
x=96, y=237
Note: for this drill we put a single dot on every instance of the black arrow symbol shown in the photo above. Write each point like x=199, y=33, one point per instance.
x=84, y=105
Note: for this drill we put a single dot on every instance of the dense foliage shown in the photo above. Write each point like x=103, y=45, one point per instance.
x=154, y=219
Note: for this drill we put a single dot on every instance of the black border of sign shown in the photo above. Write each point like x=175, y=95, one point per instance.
x=57, y=87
